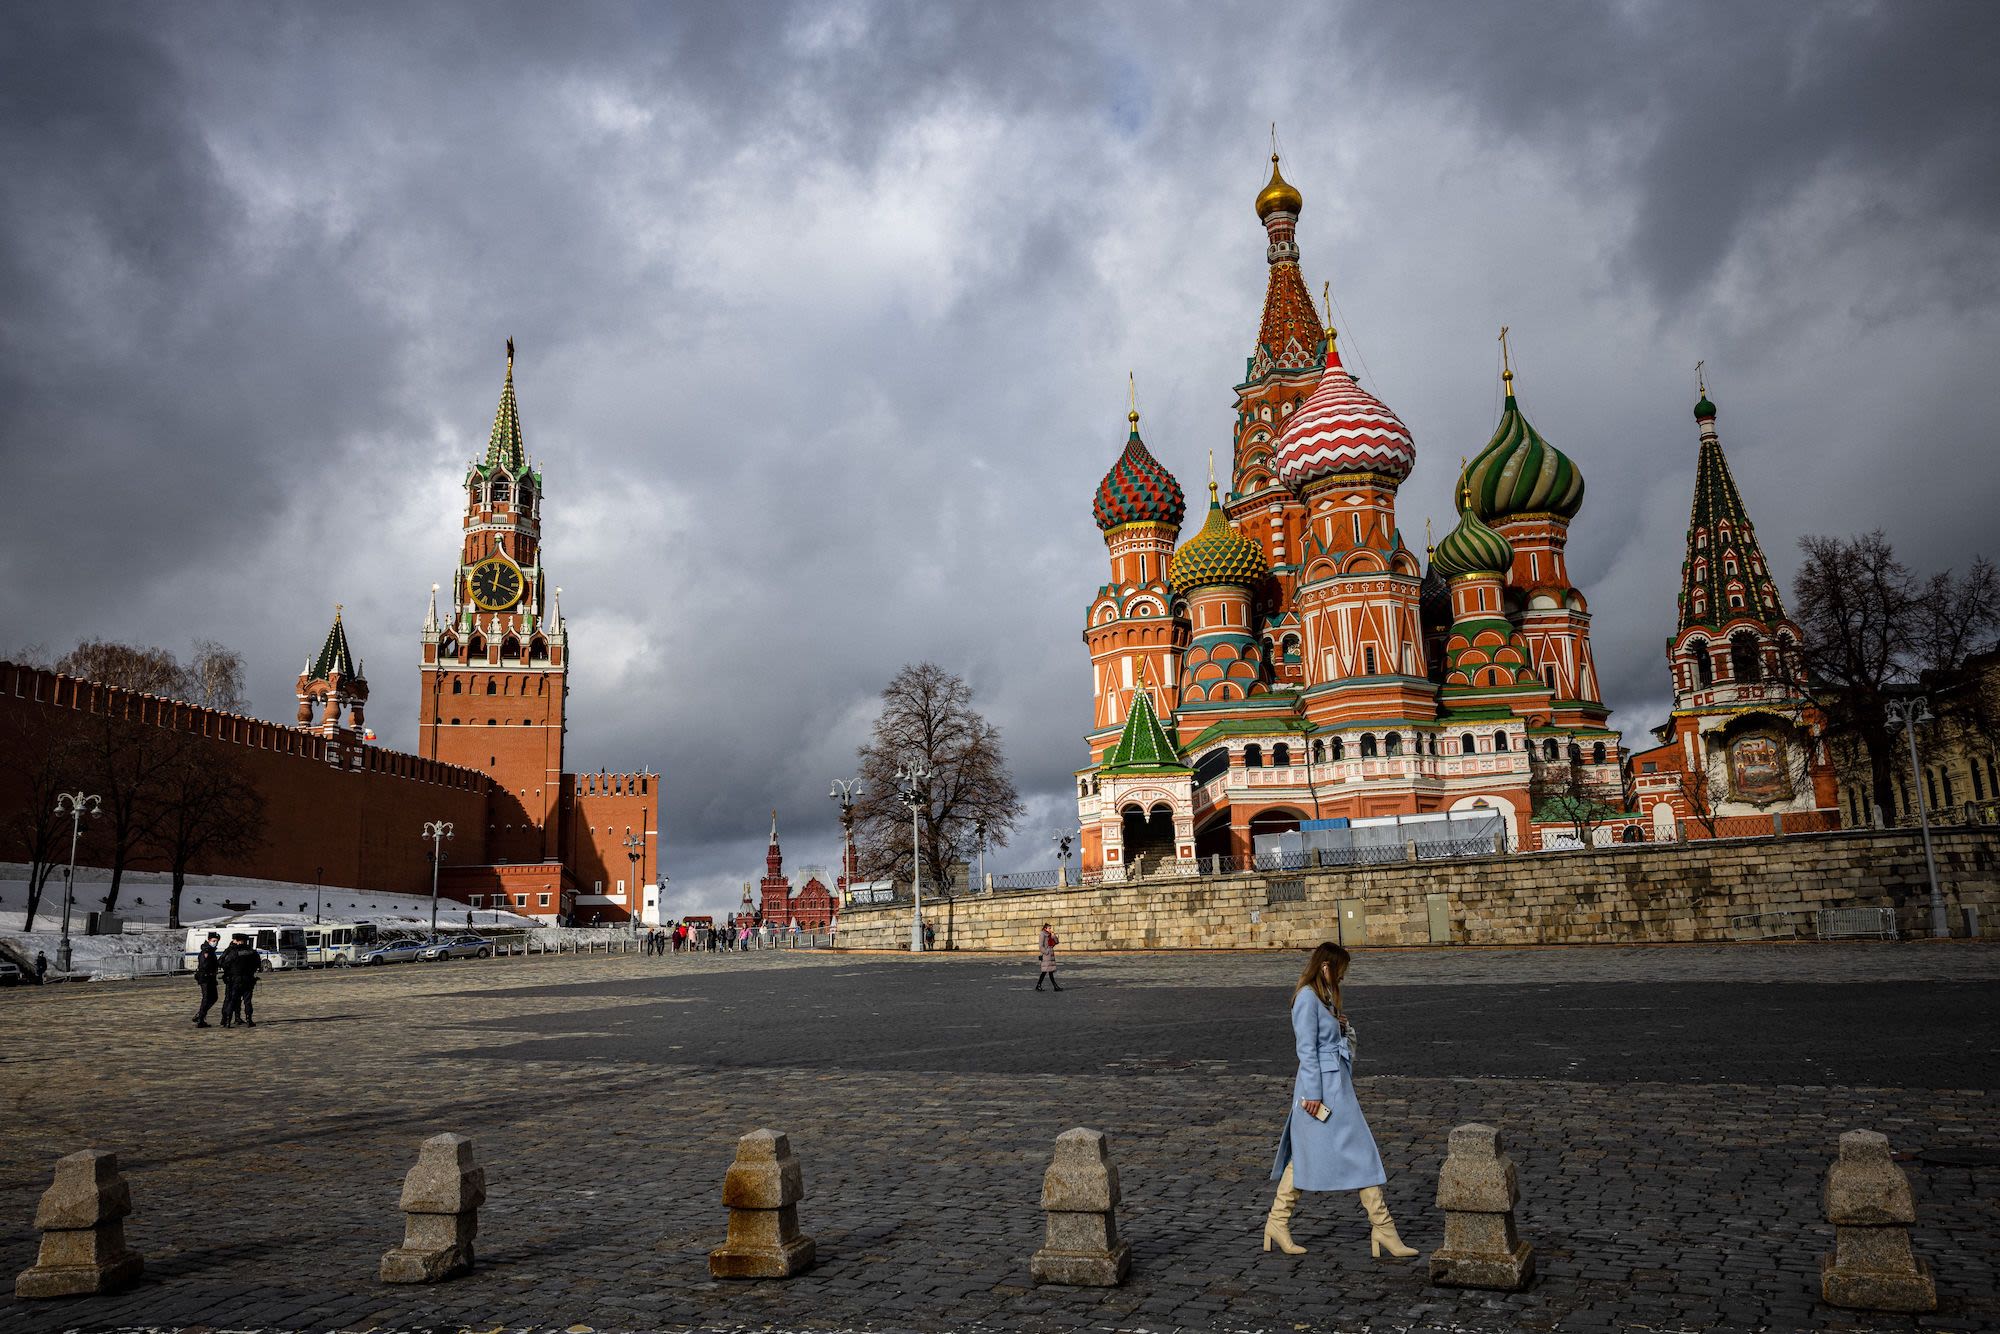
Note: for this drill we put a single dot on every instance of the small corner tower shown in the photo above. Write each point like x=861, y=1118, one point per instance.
x=333, y=692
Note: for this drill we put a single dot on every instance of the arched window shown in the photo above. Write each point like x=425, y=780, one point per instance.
x=1549, y=749
x=1319, y=756
x=1745, y=662
x=1253, y=756
x=1339, y=749
x=448, y=648
x=1597, y=753
x=1575, y=753
x=1466, y=745
x=1930, y=786
x=510, y=649
x=1499, y=741
x=1367, y=745
x=538, y=650
x=501, y=491
x=1631, y=834
x=1281, y=755
x=1393, y=744
x=457, y=686
x=1704, y=668
x=527, y=495
x=492, y=686
x=1434, y=743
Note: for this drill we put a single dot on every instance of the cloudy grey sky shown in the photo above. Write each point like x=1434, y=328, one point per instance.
x=825, y=313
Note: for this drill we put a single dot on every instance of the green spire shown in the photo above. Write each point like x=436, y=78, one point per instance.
x=333, y=655
x=503, y=447
x=1724, y=559
x=1145, y=746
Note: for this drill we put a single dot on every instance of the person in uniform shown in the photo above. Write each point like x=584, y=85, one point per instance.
x=206, y=966
x=239, y=964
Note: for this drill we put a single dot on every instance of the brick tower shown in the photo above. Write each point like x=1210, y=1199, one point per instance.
x=495, y=667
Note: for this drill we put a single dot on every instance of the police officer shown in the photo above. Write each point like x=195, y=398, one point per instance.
x=206, y=966
x=239, y=964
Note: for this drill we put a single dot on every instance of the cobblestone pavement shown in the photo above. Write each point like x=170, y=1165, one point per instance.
x=1671, y=1152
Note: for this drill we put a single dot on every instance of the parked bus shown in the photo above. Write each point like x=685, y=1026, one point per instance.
x=287, y=940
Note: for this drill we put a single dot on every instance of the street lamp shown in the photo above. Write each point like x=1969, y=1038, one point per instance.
x=979, y=832
x=437, y=831
x=844, y=792
x=75, y=805
x=635, y=853
x=1062, y=842
x=318, y=873
x=1906, y=714
x=915, y=779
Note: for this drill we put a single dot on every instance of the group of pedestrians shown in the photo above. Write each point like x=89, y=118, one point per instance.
x=236, y=968
x=738, y=934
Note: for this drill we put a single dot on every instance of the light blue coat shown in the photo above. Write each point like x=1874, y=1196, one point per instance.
x=1337, y=1153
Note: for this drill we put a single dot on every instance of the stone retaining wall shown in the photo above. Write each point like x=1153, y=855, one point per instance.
x=1736, y=889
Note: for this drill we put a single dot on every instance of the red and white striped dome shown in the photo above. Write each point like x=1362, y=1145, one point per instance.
x=1342, y=428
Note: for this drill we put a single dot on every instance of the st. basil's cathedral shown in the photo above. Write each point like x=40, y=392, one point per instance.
x=1295, y=660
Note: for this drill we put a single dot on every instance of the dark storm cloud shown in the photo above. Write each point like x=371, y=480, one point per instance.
x=825, y=314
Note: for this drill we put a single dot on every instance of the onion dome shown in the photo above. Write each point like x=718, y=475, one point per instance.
x=1218, y=554
x=1704, y=411
x=1280, y=196
x=1471, y=548
x=1521, y=473
x=1342, y=428
x=1138, y=489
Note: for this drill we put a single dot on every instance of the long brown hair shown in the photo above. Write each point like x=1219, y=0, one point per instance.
x=1324, y=971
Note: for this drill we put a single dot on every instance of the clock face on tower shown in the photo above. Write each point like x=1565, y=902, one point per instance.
x=495, y=584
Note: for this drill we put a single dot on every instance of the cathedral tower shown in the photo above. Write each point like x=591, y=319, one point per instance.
x=1131, y=633
x=495, y=666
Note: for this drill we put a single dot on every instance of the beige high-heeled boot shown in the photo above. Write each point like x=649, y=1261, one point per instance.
x=1382, y=1228
x=1282, y=1205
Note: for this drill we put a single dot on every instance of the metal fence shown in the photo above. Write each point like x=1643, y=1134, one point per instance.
x=1857, y=923
x=1046, y=878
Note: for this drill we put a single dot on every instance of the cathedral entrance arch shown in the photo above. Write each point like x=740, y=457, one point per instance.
x=1148, y=837
x=1277, y=820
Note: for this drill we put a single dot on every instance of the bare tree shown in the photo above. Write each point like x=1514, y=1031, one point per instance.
x=1871, y=627
x=129, y=764
x=927, y=717
x=45, y=760
x=150, y=671
x=1569, y=792
x=207, y=809
x=214, y=678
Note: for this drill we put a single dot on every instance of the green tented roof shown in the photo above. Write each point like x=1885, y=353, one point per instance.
x=1144, y=746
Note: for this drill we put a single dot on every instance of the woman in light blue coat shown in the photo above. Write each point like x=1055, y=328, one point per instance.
x=1326, y=1144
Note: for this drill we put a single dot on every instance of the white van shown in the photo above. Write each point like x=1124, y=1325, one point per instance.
x=281, y=944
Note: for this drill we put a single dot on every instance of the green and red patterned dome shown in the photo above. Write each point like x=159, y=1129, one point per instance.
x=1521, y=473
x=1218, y=554
x=1138, y=489
x=1471, y=548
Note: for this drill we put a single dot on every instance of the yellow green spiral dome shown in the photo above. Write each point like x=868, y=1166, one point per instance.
x=1218, y=554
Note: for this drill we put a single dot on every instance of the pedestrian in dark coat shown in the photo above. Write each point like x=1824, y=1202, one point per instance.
x=1048, y=951
x=239, y=964
x=41, y=967
x=207, y=966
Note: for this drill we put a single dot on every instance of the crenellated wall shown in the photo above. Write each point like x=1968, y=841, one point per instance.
x=1714, y=890
x=340, y=814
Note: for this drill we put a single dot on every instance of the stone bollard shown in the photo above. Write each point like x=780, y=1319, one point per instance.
x=1477, y=1189
x=82, y=1221
x=1080, y=1197
x=763, y=1188
x=1869, y=1203
x=441, y=1199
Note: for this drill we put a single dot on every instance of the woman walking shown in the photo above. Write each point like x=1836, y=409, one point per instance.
x=1048, y=973
x=1326, y=1144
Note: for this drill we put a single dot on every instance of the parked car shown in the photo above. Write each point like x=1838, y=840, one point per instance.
x=395, y=951
x=11, y=976
x=458, y=947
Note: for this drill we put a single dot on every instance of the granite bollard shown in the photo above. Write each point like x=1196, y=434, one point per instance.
x=82, y=1222
x=762, y=1190
x=1477, y=1189
x=440, y=1204
x=1080, y=1198
x=1869, y=1203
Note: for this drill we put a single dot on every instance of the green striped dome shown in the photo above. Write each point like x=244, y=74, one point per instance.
x=1472, y=548
x=1520, y=473
x=1218, y=554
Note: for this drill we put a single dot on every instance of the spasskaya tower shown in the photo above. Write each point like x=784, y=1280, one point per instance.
x=496, y=664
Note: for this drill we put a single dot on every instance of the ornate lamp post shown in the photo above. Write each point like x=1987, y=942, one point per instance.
x=635, y=853
x=437, y=831
x=319, y=873
x=75, y=805
x=979, y=832
x=915, y=780
x=844, y=792
x=1907, y=714
x=1062, y=842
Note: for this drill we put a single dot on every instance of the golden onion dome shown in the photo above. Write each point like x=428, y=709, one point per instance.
x=1279, y=196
